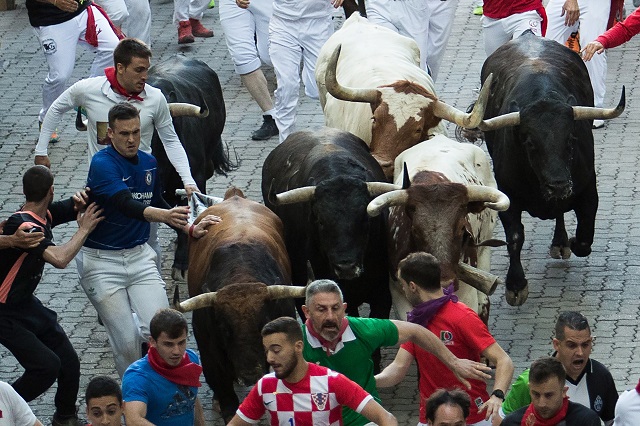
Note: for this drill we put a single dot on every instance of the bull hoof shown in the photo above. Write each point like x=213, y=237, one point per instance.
x=517, y=298
x=559, y=252
x=580, y=249
x=179, y=274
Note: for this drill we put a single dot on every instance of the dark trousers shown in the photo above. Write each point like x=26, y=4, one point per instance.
x=32, y=333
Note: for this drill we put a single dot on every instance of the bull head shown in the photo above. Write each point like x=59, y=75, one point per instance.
x=372, y=96
x=306, y=193
x=205, y=300
x=579, y=113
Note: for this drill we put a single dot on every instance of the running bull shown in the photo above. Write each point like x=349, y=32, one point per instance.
x=319, y=184
x=538, y=128
x=447, y=207
x=239, y=279
x=191, y=81
x=388, y=84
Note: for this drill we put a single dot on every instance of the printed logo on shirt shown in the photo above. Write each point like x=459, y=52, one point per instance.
x=597, y=404
x=124, y=179
x=148, y=177
x=478, y=401
x=49, y=46
x=446, y=337
x=320, y=399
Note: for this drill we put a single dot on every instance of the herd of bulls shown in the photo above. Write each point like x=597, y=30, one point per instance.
x=349, y=201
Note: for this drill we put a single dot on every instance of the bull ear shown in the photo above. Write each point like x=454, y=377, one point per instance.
x=571, y=100
x=406, y=182
x=271, y=195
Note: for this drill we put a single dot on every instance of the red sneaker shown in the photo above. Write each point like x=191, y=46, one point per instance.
x=184, y=32
x=199, y=30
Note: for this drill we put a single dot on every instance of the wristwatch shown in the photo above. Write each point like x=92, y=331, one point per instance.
x=499, y=393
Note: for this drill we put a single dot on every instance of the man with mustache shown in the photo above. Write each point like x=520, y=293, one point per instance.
x=346, y=344
x=299, y=392
x=588, y=382
x=550, y=405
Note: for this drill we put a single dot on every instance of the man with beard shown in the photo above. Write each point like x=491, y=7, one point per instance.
x=550, y=405
x=346, y=344
x=29, y=330
x=299, y=392
x=588, y=382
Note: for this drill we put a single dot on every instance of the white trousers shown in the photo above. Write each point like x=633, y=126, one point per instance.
x=117, y=283
x=290, y=42
x=185, y=9
x=239, y=26
x=497, y=32
x=428, y=22
x=133, y=16
x=594, y=15
x=59, y=46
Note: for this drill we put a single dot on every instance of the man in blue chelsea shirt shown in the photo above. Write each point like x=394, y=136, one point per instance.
x=118, y=272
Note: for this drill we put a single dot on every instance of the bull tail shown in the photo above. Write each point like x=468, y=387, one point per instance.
x=221, y=161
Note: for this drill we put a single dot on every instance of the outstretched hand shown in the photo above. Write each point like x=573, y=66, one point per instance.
x=591, y=49
x=467, y=369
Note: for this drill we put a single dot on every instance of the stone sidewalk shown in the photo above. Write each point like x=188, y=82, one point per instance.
x=602, y=286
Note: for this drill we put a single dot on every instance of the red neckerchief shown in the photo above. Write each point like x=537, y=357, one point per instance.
x=638, y=387
x=543, y=25
x=187, y=373
x=531, y=417
x=110, y=72
x=91, y=34
x=328, y=345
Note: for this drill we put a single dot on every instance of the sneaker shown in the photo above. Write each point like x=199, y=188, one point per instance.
x=67, y=420
x=184, y=32
x=199, y=30
x=598, y=124
x=54, y=136
x=212, y=4
x=267, y=130
x=478, y=10
x=573, y=42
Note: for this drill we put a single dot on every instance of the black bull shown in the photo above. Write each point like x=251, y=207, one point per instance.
x=191, y=81
x=326, y=223
x=538, y=130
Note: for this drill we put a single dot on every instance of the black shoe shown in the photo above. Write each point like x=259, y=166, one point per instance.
x=267, y=130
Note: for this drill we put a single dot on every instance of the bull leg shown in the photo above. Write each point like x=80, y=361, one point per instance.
x=586, y=208
x=218, y=376
x=560, y=242
x=517, y=289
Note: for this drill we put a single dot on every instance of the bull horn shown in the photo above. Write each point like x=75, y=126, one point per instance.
x=377, y=188
x=492, y=198
x=197, y=302
x=463, y=119
x=345, y=93
x=591, y=113
x=393, y=198
x=179, y=109
x=298, y=195
x=477, y=278
x=285, y=291
x=495, y=123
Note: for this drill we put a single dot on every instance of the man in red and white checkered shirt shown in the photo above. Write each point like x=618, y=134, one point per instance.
x=299, y=393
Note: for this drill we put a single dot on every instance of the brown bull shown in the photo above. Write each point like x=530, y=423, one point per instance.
x=239, y=276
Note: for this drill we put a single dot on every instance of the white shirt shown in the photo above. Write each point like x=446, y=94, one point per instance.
x=97, y=97
x=14, y=411
x=628, y=409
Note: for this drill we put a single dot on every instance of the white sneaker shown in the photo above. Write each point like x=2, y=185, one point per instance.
x=598, y=124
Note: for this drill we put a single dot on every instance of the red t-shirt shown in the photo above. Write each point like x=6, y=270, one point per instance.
x=317, y=399
x=498, y=9
x=466, y=336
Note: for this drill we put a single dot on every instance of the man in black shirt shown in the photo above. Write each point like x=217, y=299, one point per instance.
x=550, y=405
x=28, y=329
